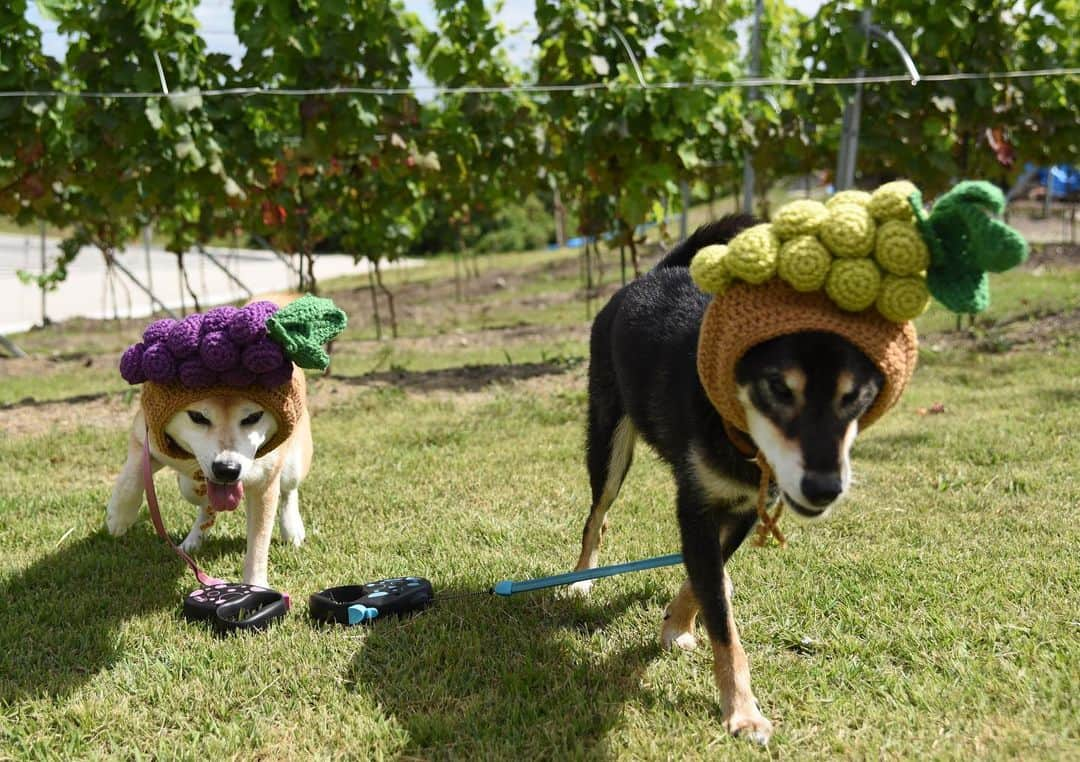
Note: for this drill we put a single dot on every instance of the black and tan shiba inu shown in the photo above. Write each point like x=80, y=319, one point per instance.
x=803, y=394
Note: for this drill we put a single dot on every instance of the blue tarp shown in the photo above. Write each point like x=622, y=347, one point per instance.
x=1060, y=180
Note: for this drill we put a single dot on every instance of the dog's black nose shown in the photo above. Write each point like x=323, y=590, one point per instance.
x=226, y=470
x=821, y=487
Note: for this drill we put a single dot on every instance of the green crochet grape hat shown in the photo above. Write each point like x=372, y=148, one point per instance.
x=862, y=265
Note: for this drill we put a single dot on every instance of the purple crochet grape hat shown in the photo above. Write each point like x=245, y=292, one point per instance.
x=252, y=352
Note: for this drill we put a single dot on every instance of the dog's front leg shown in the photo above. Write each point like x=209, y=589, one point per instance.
x=194, y=491
x=701, y=527
x=261, y=511
x=127, y=494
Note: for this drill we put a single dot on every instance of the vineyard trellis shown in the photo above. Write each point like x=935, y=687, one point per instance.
x=319, y=137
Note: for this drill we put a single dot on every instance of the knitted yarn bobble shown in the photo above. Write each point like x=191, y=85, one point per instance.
x=158, y=364
x=263, y=356
x=848, y=231
x=853, y=284
x=194, y=374
x=218, y=319
x=158, y=330
x=900, y=249
x=804, y=263
x=708, y=269
x=249, y=325
x=218, y=352
x=801, y=217
x=752, y=254
x=902, y=298
x=183, y=339
x=890, y=201
x=131, y=364
x=857, y=197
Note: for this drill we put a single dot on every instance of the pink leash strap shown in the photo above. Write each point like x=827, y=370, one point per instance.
x=155, y=517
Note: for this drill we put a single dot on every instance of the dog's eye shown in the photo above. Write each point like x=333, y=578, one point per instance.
x=851, y=398
x=252, y=419
x=779, y=389
x=197, y=417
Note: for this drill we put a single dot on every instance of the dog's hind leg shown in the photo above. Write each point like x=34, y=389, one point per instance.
x=611, y=441
x=127, y=494
x=679, y=619
x=706, y=535
x=290, y=522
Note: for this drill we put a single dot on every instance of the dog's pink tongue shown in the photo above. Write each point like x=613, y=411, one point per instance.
x=224, y=497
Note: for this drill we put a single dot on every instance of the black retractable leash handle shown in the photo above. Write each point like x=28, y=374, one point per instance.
x=230, y=606
x=360, y=604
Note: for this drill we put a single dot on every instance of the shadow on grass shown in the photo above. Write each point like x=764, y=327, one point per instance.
x=498, y=679
x=1056, y=397
x=74, y=400
x=462, y=378
x=60, y=618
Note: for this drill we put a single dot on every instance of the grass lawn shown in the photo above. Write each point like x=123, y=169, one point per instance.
x=937, y=616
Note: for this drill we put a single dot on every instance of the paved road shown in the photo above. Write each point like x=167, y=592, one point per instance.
x=90, y=291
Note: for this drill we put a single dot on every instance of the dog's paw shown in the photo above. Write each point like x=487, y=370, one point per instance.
x=293, y=533
x=117, y=522
x=192, y=542
x=672, y=637
x=579, y=589
x=256, y=580
x=296, y=539
x=749, y=724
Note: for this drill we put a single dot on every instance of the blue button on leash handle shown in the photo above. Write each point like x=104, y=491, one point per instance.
x=510, y=587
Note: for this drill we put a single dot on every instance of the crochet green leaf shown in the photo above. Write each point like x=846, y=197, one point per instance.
x=304, y=326
x=966, y=242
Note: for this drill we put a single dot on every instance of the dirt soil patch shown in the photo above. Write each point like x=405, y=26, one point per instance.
x=35, y=418
x=1039, y=332
x=1053, y=255
x=460, y=379
x=496, y=336
x=469, y=382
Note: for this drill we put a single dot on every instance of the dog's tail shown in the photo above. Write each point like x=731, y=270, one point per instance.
x=721, y=231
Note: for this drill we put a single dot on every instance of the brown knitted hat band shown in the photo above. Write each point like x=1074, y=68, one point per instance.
x=745, y=315
x=160, y=402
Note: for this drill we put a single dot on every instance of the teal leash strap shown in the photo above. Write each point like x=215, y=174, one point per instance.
x=510, y=587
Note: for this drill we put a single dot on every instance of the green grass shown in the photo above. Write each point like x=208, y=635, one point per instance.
x=61, y=380
x=937, y=616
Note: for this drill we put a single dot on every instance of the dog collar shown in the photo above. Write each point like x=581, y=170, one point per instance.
x=740, y=439
x=768, y=525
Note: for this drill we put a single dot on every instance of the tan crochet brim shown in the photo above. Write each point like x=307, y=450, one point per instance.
x=160, y=402
x=745, y=315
